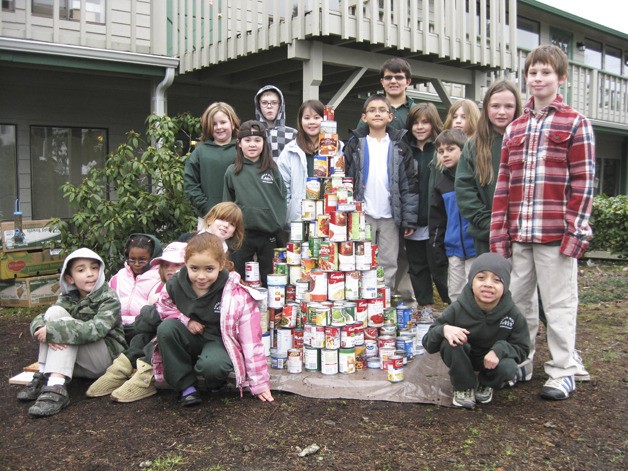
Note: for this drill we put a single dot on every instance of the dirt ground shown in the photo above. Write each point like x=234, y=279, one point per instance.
x=519, y=430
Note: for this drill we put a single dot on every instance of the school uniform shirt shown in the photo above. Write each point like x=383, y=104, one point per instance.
x=544, y=191
x=260, y=196
x=503, y=330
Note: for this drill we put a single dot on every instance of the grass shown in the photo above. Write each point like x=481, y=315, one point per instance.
x=164, y=463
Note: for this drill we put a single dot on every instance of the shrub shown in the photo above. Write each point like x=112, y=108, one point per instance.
x=140, y=189
x=609, y=220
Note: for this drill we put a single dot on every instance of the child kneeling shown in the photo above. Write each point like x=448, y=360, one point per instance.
x=482, y=331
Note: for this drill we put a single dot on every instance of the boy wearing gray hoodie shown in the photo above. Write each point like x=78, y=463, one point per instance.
x=270, y=109
x=79, y=335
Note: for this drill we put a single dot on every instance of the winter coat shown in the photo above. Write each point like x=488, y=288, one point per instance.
x=503, y=330
x=94, y=317
x=425, y=174
x=204, y=174
x=402, y=174
x=279, y=135
x=448, y=229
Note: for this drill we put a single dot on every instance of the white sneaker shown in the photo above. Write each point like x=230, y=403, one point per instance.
x=557, y=389
x=581, y=373
x=464, y=399
x=524, y=372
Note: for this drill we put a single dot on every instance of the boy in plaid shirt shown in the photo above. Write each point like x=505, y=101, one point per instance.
x=541, y=211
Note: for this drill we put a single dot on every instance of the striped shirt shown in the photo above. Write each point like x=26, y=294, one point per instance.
x=544, y=189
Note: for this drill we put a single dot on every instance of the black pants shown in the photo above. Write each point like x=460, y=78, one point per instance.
x=423, y=270
x=257, y=243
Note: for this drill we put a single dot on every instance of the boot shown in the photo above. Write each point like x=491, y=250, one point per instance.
x=33, y=389
x=140, y=386
x=115, y=376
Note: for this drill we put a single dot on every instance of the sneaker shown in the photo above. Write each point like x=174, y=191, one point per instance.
x=524, y=373
x=140, y=386
x=33, y=389
x=115, y=376
x=192, y=399
x=557, y=389
x=426, y=314
x=484, y=394
x=581, y=373
x=464, y=399
x=51, y=401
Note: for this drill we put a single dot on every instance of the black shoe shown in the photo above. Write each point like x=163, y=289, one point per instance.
x=192, y=399
x=33, y=389
x=51, y=401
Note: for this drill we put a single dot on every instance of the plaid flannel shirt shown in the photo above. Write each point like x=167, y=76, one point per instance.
x=544, y=189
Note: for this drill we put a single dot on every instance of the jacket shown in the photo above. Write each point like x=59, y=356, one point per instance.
x=503, y=330
x=474, y=200
x=544, y=190
x=402, y=175
x=134, y=291
x=425, y=170
x=239, y=325
x=204, y=173
x=261, y=196
x=448, y=229
x=280, y=134
x=95, y=317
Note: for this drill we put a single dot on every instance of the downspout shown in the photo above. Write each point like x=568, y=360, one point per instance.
x=159, y=103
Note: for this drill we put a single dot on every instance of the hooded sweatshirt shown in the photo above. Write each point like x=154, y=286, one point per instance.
x=132, y=290
x=280, y=134
x=503, y=330
x=94, y=317
x=204, y=174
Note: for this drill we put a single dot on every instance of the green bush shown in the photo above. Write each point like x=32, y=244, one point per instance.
x=609, y=220
x=140, y=189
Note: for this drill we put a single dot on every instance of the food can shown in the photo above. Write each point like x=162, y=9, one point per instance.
x=363, y=255
x=395, y=369
x=336, y=285
x=291, y=293
x=387, y=341
x=348, y=311
x=352, y=285
x=346, y=256
x=317, y=336
x=294, y=274
x=384, y=293
x=402, y=353
x=313, y=188
x=370, y=333
x=329, y=361
x=307, y=265
x=368, y=232
x=361, y=311
x=358, y=334
x=331, y=202
x=347, y=336
x=289, y=315
x=319, y=207
x=262, y=303
x=404, y=315
x=318, y=288
x=421, y=329
x=297, y=337
x=295, y=363
x=375, y=312
x=368, y=284
x=332, y=337
x=390, y=316
x=278, y=360
x=301, y=287
x=337, y=226
x=357, y=224
x=337, y=315
x=264, y=319
x=328, y=256
x=387, y=330
x=373, y=363
x=280, y=268
x=251, y=271
x=396, y=300
x=276, y=296
x=346, y=361
x=305, y=251
x=293, y=253
x=322, y=225
x=384, y=355
x=311, y=358
x=315, y=246
x=322, y=315
x=284, y=340
x=320, y=166
x=371, y=348
x=297, y=231
x=308, y=211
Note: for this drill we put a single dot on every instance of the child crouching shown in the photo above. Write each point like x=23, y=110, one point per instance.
x=482, y=331
x=79, y=335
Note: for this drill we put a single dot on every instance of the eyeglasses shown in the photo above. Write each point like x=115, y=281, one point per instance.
x=377, y=110
x=398, y=78
x=266, y=104
x=140, y=262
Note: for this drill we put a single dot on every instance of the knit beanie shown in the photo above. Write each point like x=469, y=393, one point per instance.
x=494, y=263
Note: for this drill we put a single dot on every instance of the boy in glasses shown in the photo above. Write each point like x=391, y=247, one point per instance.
x=270, y=109
x=384, y=177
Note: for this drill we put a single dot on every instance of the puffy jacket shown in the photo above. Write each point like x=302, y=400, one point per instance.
x=402, y=174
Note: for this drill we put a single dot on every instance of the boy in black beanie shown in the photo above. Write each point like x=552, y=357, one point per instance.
x=482, y=331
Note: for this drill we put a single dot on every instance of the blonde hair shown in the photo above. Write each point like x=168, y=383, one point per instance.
x=230, y=212
x=471, y=113
x=207, y=120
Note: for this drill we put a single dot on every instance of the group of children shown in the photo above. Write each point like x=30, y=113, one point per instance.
x=519, y=184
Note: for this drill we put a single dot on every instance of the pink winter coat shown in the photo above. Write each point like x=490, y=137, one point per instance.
x=134, y=291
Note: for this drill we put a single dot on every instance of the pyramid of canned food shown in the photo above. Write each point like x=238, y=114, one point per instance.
x=327, y=308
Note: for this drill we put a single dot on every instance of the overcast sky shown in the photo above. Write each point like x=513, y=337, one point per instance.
x=611, y=13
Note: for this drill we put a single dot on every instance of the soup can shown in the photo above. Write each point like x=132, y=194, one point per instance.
x=328, y=256
x=347, y=336
x=331, y=202
x=329, y=361
x=352, y=285
x=395, y=369
x=251, y=271
x=384, y=355
x=318, y=288
x=295, y=364
x=332, y=337
x=284, y=340
x=311, y=358
x=276, y=296
x=301, y=288
x=322, y=225
x=294, y=273
x=293, y=253
x=315, y=246
x=289, y=315
x=375, y=312
x=358, y=334
x=336, y=285
x=346, y=256
x=307, y=265
x=363, y=255
x=346, y=361
x=368, y=284
x=337, y=226
x=361, y=311
x=338, y=318
x=387, y=341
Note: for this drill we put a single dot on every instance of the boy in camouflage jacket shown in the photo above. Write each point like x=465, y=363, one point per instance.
x=79, y=335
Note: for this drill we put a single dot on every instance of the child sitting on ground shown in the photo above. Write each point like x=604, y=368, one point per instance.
x=482, y=331
x=79, y=335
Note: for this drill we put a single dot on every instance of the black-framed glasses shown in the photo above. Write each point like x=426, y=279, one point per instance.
x=398, y=78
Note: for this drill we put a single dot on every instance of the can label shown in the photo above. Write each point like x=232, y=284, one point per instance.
x=358, y=334
x=336, y=285
x=387, y=330
x=297, y=231
x=280, y=268
x=357, y=224
x=278, y=360
x=387, y=341
x=318, y=288
x=276, y=296
x=337, y=226
x=385, y=353
x=332, y=337
x=347, y=336
x=361, y=311
x=346, y=256
x=371, y=348
x=375, y=312
x=307, y=266
x=293, y=253
x=328, y=256
x=312, y=358
x=404, y=315
x=251, y=271
x=331, y=202
x=294, y=274
x=384, y=293
x=329, y=361
x=315, y=246
x=321, y=315
x=291, y=293
x=295, y=364
x=289, y=315
x=346, y=361
x=284, y=340
x=322, y=225
x=348, y=311
x=352, y=285
x=368, y=284
x=313, y=188
x=320, y=166
x=301, y=288
x=363, y=255
x=395, y=369
x=308, y=211
x=421, y=329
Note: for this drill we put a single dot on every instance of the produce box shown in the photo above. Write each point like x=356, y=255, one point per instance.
x=29, y=292
x=24, y=264
x=35, y=234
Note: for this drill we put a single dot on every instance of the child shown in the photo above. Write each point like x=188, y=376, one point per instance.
x=482, y=331
x=117, y=380
x=464, y=115
x=218, y=326
x=78, y=336
x=541, y=212
x=270, y=109
x=390, y=194
x=137, y=279
x=476, y=174
x=423, y=126
x=205, y=169
x=256, y=186
x=452, y=245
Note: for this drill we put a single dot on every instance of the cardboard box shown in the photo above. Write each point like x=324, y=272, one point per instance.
x=35, y=235
x=24, y=264
x=30, y=292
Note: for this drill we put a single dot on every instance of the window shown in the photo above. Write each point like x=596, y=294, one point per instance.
x=71, y=10
x=528, y=33
x=8, y=176
x=593, y=53
x=59, y=155
x=612, y=60
x=8, y=5
x=607, y=173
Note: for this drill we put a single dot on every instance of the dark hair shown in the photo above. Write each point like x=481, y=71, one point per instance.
x=303, y=140
x=72, y=261
x=206, y=242
x=139, y=241
x=376, y=97
x=456, y=137
x=254, y=128
x=424, y=110
x=396, y=65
